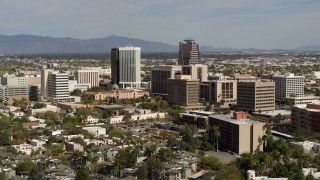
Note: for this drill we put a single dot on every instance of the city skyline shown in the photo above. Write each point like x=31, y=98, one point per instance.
x=237, y=24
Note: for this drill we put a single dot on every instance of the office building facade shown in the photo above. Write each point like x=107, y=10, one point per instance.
x=237, y=133
x=256, y=96
x=160, y=76
x=58, y=85
x=219, y=91
x=44, y=82
x=87, y=76
x=289, y=85
x=306, y=116
x=183, y=90
x=125, y=67
x=188, y=52
x=196, y=71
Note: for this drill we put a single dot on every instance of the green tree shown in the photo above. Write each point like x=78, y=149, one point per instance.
x=165, y=154
x=25, y=166
x=151, y=170
x=36, y=173
x=39, y=105
x=81, y=174
x=76, y=92
x=210, y=162
x=229, y=172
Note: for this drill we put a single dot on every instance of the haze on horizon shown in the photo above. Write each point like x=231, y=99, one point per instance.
x=265, y=24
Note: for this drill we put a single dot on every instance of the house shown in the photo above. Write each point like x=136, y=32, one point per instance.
x=72, y=146
x=17, y=114
x=96, y=131
x=91, y=119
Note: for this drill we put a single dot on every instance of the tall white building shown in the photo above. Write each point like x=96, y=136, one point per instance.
x=87, y=76
x=58, y=85
x=197, y=71
x=288, y=85
x=125, y=66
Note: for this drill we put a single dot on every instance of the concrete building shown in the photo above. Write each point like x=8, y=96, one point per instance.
x=58, y=85
x=160, y=76
x=125, y=66
x=251, y=175
x=237, y=133
x=88, y=76
x=73, y=84
x=255, y=96
x=44, y=82
x=188, y=52
x=96, y=131
x=315, y=74
x=118, y=94
x=9, y=93
x=136, y=117
x=12, y=80
x=219, y=91
x=197, y=71
x=183, y=90
x=289, y=85
x=306, y=116
x=295, y=101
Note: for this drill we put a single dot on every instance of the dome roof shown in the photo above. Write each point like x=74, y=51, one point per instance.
x=189, y=39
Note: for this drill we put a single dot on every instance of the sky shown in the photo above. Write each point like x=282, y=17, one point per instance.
x=267, y=24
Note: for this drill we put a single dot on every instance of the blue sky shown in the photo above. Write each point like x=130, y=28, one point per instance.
x=219, y=23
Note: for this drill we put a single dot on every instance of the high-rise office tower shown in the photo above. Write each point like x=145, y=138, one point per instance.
x=44, y=82
x=125, y=66
x=289, y=85
x=188, y=52
x=255, y=96
x=58, y=85
x=160, y=76
x=87, y=76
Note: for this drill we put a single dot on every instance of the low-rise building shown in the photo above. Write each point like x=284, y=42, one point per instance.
x=237, y=133
x=72, y=146
x=96, y=131
x=33, y=111
x=91, y=119
x=306, y=116
x=136, y=117
x=118, y=94
x=295, y=101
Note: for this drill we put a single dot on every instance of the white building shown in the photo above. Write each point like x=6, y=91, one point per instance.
x=289, y=85
x=58, y=85
x=96, y=131
x=315, y=74
x=87, y=76
x=294, y=101
x=136, y=117
x=125, y=66
x=251, y=175
x=73, y=84
x=91, y=119
x=197, y=71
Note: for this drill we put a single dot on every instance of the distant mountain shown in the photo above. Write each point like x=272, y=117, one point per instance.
x=312, y=48
x=30, y=44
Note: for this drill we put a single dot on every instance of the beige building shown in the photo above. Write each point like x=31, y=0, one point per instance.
x=44, y=82
x=237, y=133
x=219, y=91
x=87, y=76
x=256, y=96
x=160, y=76
x=183, y=90
x=197, y=71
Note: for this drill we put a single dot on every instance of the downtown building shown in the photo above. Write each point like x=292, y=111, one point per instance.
x=184, y=90
x=160, y=76
x=306, y=116
x=58, y=88
x=125, y=67
x=238, y=134
x=255, y=96
x=87, y=76
x=288, y=85
x=188, y=52
x=219, y=91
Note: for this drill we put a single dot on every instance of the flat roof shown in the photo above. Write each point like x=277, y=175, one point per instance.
x=110, y=107
x=273, y=113
x=229, y=118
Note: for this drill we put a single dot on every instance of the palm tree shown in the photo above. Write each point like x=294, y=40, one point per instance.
x=216, y=134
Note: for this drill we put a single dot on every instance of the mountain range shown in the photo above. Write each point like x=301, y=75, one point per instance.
x=31, y=44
